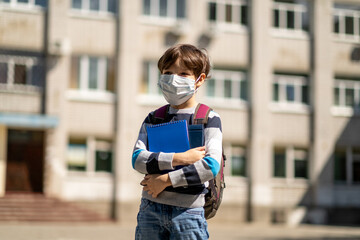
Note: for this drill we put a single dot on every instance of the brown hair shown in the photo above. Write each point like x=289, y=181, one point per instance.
x=192, y=57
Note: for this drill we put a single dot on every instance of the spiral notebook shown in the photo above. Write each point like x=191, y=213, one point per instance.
x=168, y=137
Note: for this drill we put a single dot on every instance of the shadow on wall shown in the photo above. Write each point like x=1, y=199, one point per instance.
x=338, y=184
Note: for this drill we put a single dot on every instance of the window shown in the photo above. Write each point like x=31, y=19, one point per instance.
x=347, y=165
x=290, y=163
x=18, y=71
x=171, y=9
x=150, y=79
x=346, y=22
x=228, y=12
x=238, y=161
x=89, y=155
x=347, y=94
x=92, y=74
x=24, y=3
x=290, y=15
x=76, y=155
x=227, y=84
x=290, y=90
x=94, y=6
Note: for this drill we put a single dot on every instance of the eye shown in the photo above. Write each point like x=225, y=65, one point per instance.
x=167, y=73
x=184, y=74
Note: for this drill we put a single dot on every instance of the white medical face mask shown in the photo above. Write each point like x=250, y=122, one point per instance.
x=176, y=89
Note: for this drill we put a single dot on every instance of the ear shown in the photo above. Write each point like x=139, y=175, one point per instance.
x=200, y=81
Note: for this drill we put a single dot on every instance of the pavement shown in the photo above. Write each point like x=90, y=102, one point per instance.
x=218, y=231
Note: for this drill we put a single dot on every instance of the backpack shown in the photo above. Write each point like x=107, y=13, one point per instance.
x=216, y=186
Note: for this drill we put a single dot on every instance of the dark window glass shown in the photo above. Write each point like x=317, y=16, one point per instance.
x=305, y=21
x=210, y=87
x=94, y=5
x=349, y=25
x=103, y=161
x=163, y=8
x=243, y=90
x=349, y=97
x=23, y=1
x=20, y=74
x=276, y=92
x=356, y=165
x=76, y=4
x=238, y=166
x=37, y=75
x=212, y=11
x=301, y=168
x=42, y=3
x=93, y=73
x=244, y=15
x=340, y=165
x=180, y=8
x=290, y=19
x=336, y=24
x=3, y=72
x=227, y=88
x=280, y=163
x=290, y=93
x=336, y=96
x=112, y=6
x=146, y=7
x=305, y=94
x=276, y=18
x=356, y=172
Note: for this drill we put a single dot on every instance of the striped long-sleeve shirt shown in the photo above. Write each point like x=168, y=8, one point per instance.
x=188, y=183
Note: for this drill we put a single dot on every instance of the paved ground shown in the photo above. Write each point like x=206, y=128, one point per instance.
x=110, y=231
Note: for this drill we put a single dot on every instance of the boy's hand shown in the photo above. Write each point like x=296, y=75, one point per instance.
x=189, y=157
x=154, y=184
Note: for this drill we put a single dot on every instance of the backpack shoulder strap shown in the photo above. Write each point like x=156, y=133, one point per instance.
x=201, y=114
x=160, y=114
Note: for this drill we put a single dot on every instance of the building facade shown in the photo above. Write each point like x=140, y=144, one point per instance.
x=78, y=77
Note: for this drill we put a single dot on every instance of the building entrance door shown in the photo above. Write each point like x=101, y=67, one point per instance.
x=25, y=161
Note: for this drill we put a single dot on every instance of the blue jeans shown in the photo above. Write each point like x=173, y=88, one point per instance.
x=159, y=222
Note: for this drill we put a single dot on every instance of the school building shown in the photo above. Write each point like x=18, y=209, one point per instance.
x=78, y=77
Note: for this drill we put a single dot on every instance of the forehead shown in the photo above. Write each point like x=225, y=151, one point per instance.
x=178, y=64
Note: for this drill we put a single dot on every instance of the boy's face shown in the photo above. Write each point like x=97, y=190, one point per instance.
x=179, y=69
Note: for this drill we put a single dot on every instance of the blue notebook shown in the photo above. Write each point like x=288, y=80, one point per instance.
x=168, y=137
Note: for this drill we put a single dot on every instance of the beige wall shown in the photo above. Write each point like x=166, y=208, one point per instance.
x=29, y=34
x=3, y=153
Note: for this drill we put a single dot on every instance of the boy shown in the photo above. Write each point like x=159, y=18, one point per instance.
x=172, y=203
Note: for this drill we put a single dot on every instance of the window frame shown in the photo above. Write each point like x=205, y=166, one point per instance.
x=292, y=154
x=85, y=8
x=82, y=91
x=283, y=30
x=171, y=16
x=220, y=21
x=342, y=108
x=230, y=149
x=298, y=82
x=341, y=14
x=220, y=76
x=92, y=145
x=349, y=165
x=30, y=5
x=29, y=62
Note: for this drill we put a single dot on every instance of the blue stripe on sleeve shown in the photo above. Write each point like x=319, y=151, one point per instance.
x=213, y=164
x=135, y=156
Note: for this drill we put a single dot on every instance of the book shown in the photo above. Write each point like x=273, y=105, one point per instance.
x=168, y=137
x=196, y=135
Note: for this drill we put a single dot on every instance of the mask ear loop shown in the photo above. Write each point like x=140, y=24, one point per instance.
x=196, y=82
